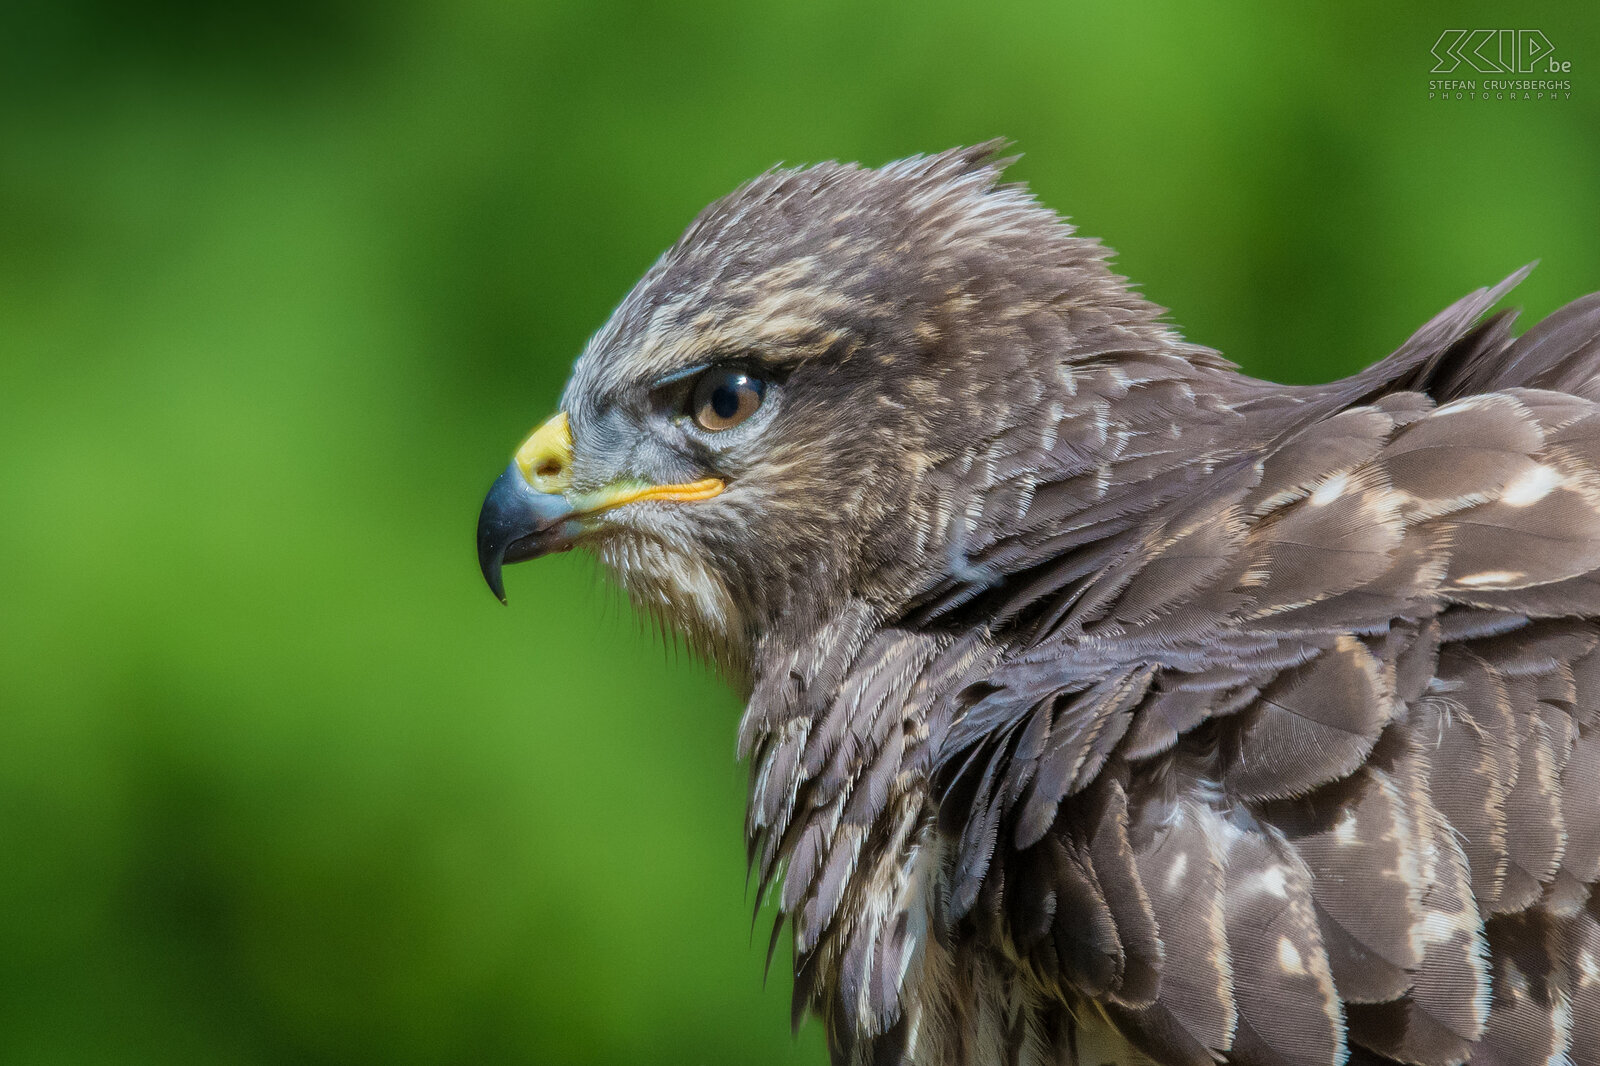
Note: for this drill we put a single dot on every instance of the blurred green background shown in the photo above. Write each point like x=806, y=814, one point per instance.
x=282, y=282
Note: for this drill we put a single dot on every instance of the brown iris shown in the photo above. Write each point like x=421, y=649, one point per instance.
x=724, y=397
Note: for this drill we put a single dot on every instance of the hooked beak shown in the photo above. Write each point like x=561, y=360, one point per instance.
x=531, y=509
x=519, y=522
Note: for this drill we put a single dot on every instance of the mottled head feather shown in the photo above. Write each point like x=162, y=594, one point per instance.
x=799, y=254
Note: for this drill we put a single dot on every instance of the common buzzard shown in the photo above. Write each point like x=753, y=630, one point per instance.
x=1106, y=704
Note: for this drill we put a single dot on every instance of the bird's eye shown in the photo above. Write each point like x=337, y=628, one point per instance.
x=724, y=397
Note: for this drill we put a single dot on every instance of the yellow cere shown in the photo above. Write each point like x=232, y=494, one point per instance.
x=545, y=458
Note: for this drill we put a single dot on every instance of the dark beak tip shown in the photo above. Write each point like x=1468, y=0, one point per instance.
x=496, y=585
x=518, y=522
x=490, y=567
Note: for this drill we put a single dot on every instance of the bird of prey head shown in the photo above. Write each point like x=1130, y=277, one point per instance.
x=1106, y=704
x=763, y=424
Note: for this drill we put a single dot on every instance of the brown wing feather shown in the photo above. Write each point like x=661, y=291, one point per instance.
x=1283, y=753
x=1421, y=792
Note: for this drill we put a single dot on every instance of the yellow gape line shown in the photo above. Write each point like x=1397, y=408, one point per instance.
x=690, y=492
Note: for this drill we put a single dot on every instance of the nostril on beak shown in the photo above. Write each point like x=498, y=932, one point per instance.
x=545, y=458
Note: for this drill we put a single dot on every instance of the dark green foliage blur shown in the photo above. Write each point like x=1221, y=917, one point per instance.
x=283, y=282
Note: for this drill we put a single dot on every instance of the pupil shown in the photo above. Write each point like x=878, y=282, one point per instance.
x=725, y=401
